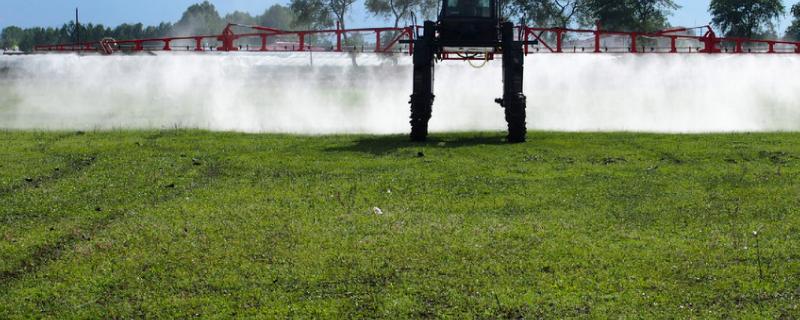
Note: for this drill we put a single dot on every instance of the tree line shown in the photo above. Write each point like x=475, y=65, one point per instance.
x=733, y=18
x=198, y=19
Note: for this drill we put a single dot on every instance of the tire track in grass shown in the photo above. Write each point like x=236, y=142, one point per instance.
x=56, y=139
x=48, y=253
x=73, y=167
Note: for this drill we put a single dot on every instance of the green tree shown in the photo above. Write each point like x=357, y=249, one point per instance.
x=746, y=18
x=545, y=13
x=240, y=18
x=35, y=36
x=401, y=10
x=793, y=32
x=628, y=15
x=277, y=16
x=94, y=32
x=201, y=18
x=312, y=14
x=321, y=13
x=11, y=37
x=128, y=31
x=161, y=30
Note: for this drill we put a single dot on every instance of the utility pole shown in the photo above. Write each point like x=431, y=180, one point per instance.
x=77, y=28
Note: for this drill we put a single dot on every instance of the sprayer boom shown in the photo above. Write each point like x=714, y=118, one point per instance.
x=466, y=30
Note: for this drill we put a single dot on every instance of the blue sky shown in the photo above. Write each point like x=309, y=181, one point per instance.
x=27, y=13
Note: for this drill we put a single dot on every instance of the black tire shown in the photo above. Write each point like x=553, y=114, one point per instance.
x=516, y=117
x=420, y=115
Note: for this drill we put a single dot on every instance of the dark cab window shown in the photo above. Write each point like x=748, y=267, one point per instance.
x=469, y=8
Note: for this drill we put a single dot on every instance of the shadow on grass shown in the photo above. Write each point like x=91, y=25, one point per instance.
x=381, y=145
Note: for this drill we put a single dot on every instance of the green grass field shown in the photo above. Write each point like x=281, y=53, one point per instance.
x=163, y=224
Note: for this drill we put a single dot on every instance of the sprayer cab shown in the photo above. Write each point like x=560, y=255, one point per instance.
x=469, y=23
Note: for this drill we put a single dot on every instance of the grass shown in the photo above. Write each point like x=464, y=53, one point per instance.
x=163, y=224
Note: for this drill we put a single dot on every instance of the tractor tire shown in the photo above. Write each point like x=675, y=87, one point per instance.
x=420, y=116
x=516, y=117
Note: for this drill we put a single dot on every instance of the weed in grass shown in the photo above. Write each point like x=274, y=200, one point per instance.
x=758, y=256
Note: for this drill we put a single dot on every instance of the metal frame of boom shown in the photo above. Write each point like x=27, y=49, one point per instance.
x=228, y=39
x=513, y=45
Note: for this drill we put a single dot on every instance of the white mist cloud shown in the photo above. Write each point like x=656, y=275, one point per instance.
x=282, y=93
x=664, y=93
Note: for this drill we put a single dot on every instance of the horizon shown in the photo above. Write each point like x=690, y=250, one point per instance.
x=112, y=13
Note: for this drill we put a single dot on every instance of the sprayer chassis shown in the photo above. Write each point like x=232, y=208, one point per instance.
x=429, y=47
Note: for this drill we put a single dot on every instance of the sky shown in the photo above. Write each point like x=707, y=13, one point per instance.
x=29, y=13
